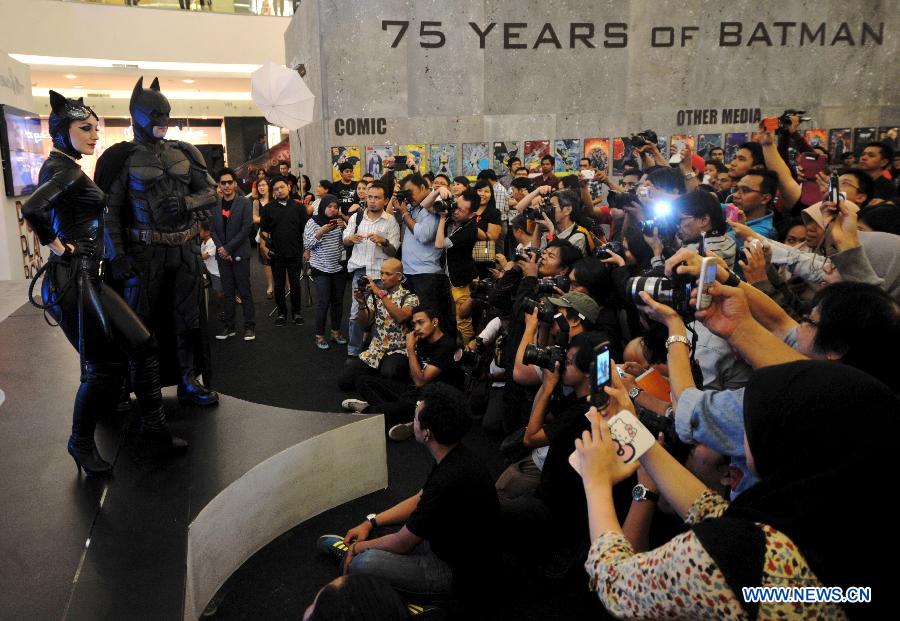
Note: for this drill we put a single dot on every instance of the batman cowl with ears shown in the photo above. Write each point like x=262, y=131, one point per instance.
x=149, y=108
x=159, y=191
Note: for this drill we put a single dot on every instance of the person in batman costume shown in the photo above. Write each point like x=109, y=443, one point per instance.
x=159, y=191
x=66, y=212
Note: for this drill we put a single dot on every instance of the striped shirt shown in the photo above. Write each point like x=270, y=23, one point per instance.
x=325, y=252
x=501, y=202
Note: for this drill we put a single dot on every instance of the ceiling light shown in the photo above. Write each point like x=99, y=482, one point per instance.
x=189, y=81
x=147, y=65
x=172, y=95
x=70, y=76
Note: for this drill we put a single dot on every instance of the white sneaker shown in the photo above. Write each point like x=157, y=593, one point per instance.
x=354, y=405
x=401, y=432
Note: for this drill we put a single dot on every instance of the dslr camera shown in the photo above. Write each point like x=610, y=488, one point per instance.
x=441, y=205
x=603, y=252
x=481, y=289
x=663, y=220
x=536, y=213
x=642, y=139
x=550, y=284
x=546, y=309
x=674, y=291
x=362, y=285
x=784, y=121
x=621, y=200
x=404, y=196
x=525, y=253
x=545, y=357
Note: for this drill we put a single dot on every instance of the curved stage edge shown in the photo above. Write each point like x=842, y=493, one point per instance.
x=158, y=538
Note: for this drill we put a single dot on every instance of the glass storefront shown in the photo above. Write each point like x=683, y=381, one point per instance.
x=284, y=8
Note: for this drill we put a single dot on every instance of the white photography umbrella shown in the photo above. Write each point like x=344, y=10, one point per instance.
x=282, y=96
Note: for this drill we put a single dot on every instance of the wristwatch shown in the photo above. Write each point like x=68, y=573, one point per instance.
x=732, y=280
x=372, y=520
x=640, y=493
x=690, y=175
x=634, y=392
x=382, y=294
x=677, y=339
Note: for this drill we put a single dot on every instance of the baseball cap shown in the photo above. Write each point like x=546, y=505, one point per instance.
x=581, y=302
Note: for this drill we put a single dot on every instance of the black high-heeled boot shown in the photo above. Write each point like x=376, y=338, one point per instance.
x=86, y=457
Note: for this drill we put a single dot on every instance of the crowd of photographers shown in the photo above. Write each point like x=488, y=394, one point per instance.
x=751, y=309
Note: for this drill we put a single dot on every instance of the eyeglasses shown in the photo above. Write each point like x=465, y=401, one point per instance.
x=809, y=320
x=226, y=182
x=844, y=184
x=742, y=189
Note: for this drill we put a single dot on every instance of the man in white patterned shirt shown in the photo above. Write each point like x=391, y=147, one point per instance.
x=374, y=236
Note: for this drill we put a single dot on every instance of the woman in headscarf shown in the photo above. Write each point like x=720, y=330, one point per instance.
x=815, y=433
x=66, y=212
x=322, y=237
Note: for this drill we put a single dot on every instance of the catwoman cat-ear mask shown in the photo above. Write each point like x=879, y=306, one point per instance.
x=149, y=108
x=63, y=112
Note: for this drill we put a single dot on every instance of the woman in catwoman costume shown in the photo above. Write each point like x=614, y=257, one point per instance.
x=66, y=212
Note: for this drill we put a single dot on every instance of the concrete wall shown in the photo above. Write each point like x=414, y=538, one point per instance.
x=462, y=93
x=15, y=90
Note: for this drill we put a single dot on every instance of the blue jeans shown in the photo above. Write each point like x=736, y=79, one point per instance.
x=355, y=341
x=420, y=573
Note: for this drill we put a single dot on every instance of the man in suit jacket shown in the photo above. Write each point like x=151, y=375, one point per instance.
x=230, y=225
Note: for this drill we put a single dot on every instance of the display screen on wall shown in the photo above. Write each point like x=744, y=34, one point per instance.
x=22, y=151
x=840, y=141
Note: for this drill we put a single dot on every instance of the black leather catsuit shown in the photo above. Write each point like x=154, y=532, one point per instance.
x=69, y=206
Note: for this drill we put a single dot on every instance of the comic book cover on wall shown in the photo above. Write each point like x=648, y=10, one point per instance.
x=816, y=137
x=622, y=150
x=597, y=151
x=840, y=141
x=679, y=142
x=534, y=151
x=733, y=141
x=340, y=155
x=567, y=153
x=419, y=153
x=706, y=143
x=890, y=135
x=444, y=160
x=475, y=158
x=861, y=137
x=375, y=156
x=662, y=143
x=503, y=152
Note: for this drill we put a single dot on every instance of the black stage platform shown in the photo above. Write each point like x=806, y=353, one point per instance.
x=116, y=548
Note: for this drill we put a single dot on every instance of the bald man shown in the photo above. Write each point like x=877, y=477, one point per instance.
x=391, y=306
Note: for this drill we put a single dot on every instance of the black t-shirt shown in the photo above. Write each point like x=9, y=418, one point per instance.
x=458, y=514
x=883, y=188
x=561, y=487
x=346, y=195
x=460, y=264
x=285, y=224
x=226, y=211
x=440, y=354
x=491, y=215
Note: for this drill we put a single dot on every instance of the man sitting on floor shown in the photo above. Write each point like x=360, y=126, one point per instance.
x=430, y=353
x=385, y=309
x=439, y=552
